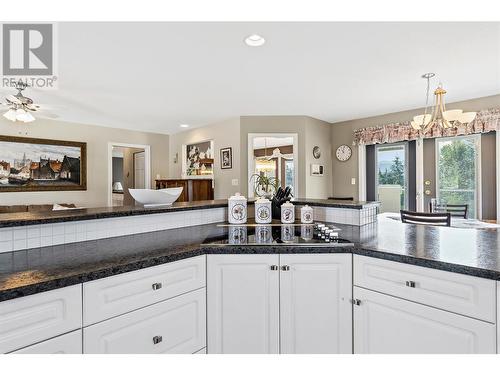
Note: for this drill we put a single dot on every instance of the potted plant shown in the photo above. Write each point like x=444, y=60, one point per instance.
x=264, y=186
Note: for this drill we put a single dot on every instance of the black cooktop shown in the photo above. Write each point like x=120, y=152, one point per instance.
x=318, y=234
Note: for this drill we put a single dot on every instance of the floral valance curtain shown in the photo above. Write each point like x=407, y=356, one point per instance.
x=485, y=121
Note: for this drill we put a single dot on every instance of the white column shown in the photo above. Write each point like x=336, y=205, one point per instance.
x=362, y=172
x=419, y=178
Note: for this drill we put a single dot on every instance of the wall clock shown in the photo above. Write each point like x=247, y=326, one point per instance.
x=316, y=152
x=343, y=153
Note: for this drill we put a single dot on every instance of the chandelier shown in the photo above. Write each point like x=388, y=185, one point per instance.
x=439, y=116
x=20, y=106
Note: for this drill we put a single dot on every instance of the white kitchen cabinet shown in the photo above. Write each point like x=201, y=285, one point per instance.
x=458, y=293
x=385, y=324
x=28, y=320
x=315, y=303
x=177, y=325
x=243, y=303
x=69, y=343
x=115, y=295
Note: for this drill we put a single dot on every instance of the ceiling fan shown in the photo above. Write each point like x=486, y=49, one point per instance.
x=20, y=106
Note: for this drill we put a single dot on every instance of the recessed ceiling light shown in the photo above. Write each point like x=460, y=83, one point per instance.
x=184, y=125
x=254, y=40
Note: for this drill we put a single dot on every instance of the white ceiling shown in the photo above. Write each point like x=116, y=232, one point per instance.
x=155, y=76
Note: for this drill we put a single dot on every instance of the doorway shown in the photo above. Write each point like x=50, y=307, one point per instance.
x=391, y=176
x=458, y=167
x=129, y=168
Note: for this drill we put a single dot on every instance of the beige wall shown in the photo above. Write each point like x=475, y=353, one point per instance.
x=97, y=138
x=341, y=133
x=273, y=124
x=318, y=134
x=224, y=134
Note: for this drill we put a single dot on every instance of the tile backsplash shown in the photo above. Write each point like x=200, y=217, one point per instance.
x=33, y=236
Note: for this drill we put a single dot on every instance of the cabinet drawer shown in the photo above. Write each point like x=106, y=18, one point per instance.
x=115, y=295
x=177, y=325
x=70, y=343
x=462, y=294
x=28, y=320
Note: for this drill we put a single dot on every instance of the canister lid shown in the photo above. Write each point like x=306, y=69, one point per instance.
x=287, y=204
x=262, y=200
x=237, y=197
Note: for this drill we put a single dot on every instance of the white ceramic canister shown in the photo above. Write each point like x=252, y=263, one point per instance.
x=306, y=215
x=263, y=211
x=287, y=213
x=288, y=233
x=237, y=209
x=263, y=234
x=307, y=232
x=237, y=235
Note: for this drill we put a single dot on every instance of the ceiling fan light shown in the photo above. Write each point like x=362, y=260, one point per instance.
x=467, y=117
x=24, y=116
x=10, y=115
x=452, y=115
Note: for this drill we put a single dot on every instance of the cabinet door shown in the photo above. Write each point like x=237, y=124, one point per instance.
x=315, y=303
x=243, y=303
x=27, y=320
x=70, y=343
x=177, y=325
x=384, y=324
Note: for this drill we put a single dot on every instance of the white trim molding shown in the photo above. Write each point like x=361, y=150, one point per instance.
x=361, y=172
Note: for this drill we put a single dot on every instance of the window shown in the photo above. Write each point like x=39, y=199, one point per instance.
x=391, y=178
x=457, y=171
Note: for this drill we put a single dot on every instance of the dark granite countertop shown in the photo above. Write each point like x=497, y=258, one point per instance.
x=357, y=205
x=467, y=251
x=46, y=217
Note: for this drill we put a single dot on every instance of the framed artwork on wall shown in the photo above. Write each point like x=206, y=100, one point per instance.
x=33, y=164
x=198, y=159
x=226, y=158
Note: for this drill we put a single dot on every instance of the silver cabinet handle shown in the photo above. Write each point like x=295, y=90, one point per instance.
x=157, y=286
x=410, y=284
x=285, y=268
x=157, y=339
x=356, y=301
x=274, y=268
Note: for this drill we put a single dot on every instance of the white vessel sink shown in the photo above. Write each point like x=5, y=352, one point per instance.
x=156, y=198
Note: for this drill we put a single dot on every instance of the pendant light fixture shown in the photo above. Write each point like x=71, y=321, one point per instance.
x=439, y=116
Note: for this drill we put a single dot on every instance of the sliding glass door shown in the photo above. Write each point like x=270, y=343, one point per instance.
x=458, y=171
x=391, y=179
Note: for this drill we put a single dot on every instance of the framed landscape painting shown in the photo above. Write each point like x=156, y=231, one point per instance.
x=32, y=164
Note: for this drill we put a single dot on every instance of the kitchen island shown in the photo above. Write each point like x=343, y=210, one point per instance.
x=436, y=285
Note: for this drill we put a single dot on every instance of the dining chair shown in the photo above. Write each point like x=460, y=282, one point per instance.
x=434, y=218
x=342, y=198
x=456, y=210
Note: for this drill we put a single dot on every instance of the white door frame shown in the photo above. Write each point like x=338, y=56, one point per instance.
x=497, y=166
x=147, y=166
x=419, y=172
x=361, y=172
x=251, y=164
